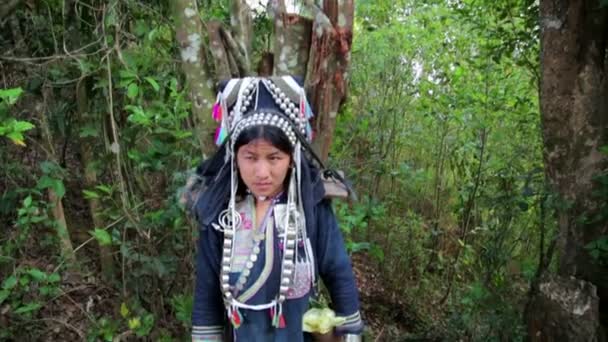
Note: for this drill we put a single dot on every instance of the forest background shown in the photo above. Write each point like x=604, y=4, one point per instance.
x=474, y=133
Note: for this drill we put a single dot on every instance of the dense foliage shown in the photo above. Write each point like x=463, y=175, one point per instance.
x=440, y=137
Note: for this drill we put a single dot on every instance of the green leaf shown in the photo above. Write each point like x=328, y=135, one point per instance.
x=124, y=310
x=88, y=131
x=104, y=188
x=27, y=202
x=134, y=323
x=9, y=282
x=53, y=278
x=132, y=91
x=17, y=138
x=22, y=126
x=10, y=95
x=3, y=295
x=102, y=236
x=37, y=274
x=88, y=194
x=153, y=83
x=55, y=184
x=28, y=308
x=146, y=327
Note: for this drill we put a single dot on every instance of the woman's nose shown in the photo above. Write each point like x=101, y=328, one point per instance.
x=262, y=170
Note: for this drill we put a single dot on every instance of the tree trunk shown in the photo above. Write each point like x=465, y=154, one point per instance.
x=61, y=228
x=574, y=107
x=317, y=50
x=218, y=51
x=90, y=177
x=242, y=29
x=565, y=309
x=189, y=34
x=292, y=42
x=326, y=79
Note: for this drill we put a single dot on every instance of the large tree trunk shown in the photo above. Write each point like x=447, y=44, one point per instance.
x=574, y=107
x=189, y=33
x=326, y=79
x=316, y=49
x=292, y=42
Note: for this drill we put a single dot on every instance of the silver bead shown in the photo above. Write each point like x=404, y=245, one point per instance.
x=289, y=253
x=291, y=105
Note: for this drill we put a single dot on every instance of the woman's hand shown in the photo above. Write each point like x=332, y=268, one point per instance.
x=329, y=337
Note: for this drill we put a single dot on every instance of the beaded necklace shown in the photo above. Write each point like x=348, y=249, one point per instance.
x=258, y=236
x=287, y=268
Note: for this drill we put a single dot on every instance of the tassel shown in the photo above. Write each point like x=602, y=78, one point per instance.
x=309, y=113
x=274, y=318
x=280, y=320
x=217, y=112
x=236, y=318
x=302, y=107
x=220, y=135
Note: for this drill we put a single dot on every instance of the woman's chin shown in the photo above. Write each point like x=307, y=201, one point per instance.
x=265, y=192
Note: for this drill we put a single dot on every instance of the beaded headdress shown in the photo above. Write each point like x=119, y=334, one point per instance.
x=278, y=102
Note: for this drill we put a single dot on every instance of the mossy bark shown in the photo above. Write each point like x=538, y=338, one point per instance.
x=574, y=107
x=201, y=84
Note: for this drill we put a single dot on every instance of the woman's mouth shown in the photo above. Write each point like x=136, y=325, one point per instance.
x=262, y=185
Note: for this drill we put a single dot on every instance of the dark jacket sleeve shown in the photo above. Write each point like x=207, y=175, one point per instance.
x=208, y=308
x=336, y=270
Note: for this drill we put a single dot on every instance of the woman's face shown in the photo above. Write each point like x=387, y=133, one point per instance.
x=263, y=167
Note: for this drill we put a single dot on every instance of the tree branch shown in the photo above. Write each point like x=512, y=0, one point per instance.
x=242, y=28
x=218, y=51
x=233, y=49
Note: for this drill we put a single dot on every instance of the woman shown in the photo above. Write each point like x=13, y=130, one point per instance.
x=266, y=232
